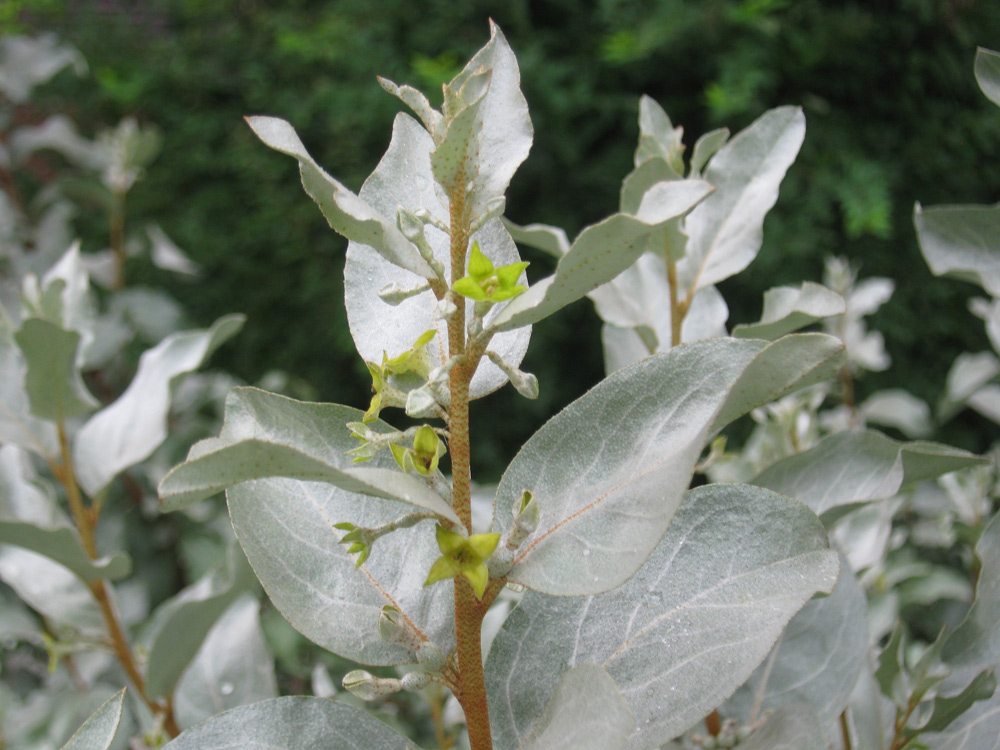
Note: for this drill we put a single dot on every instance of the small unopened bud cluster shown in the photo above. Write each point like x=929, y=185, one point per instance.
x=526, y=514
x=366, y=686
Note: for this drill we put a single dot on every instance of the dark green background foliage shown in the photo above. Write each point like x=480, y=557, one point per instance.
x=893, y=113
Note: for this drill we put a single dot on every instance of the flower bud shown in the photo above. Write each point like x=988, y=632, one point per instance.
x=431, y=656
x=526, y=513
x=415, y=680
x=394, y=628
x=366, y=686
x=394, y=294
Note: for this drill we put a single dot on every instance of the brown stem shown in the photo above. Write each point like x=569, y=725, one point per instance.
x=847, y=393
x=86, y=520
x=436, y=701
x=469, y=611
x=899, y=739
x=678, y=308
x=845, y=731
x=713, y=724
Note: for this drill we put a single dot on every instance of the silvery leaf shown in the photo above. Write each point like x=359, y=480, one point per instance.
x=233, y=667
x=403, y=178
x=976, y=642
x=817, y=660
x=26, y=62
x=988, y=73
x=266, y=435
x=130, y=429
x=879, y=468
x=725, y=232
x=600, y=252
x=962, y=242
x=286, y=528
x=681, y=634
x=177, y=629
x=294, y=723
x=57, y=133
x=976, y=729
x=585, y=712
x=98, y=732
x=897, y=408
x=792, y=727
x=787, y=309
x=53, y=382
x=544, y=237
x=347, y=213
x=51, y=590
x=609, y=471
x=505, y=133
x=639, y=298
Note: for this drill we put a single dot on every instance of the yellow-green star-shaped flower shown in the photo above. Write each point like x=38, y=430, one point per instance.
x=488, y=284
x=463, y=556
x=424, y=455
x=415, y=359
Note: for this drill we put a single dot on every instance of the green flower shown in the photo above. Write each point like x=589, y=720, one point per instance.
x=360, y=540
x=463, y=556
x=488, y=284
x=415, y=360
x=424, y=455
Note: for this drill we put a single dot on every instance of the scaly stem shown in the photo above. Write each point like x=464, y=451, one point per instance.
x=86, y=521
x=469, y=611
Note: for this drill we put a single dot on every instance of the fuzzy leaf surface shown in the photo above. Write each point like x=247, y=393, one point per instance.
x=18, y=426
x=600, y=252
x=98, y=732
x=178, y=627
x=609, y=470
x=62, y=544
x=505, y=131
x=791, y=727
x=787, y=309
x=817, y=660
x=53, y=382
x=585, y=712
x=347, y=213
x=266, y=435
x=404, y=178
x=976, y=642
x=726, y=230
x=685, y=631
x=859, y=466
x=233, y=667
x=962, y=242
x=130, y=429
x=976, y=729
x=295, y=723
x=286, y=528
